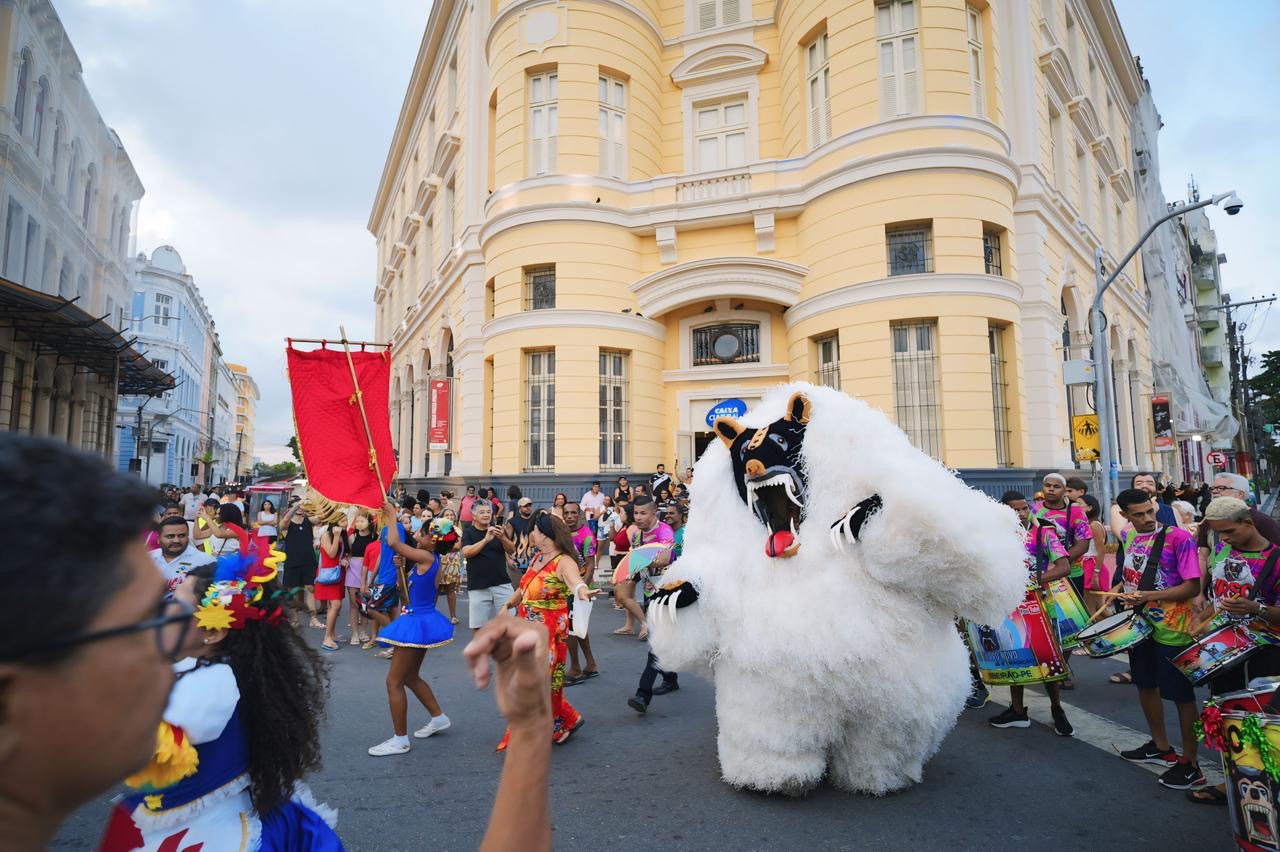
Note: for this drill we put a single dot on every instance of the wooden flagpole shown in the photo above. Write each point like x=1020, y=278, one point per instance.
x=359, y=398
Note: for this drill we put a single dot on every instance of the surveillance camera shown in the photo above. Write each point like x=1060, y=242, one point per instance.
x=1232, y=204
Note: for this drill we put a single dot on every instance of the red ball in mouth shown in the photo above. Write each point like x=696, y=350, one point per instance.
x=779, y=544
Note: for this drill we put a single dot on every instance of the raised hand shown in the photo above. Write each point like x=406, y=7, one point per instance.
x=846, y=530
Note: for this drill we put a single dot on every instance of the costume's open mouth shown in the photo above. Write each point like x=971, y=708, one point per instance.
x=777, y=498
x=1261, y=823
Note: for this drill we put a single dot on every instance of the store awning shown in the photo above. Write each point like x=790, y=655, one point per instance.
x=59, y=326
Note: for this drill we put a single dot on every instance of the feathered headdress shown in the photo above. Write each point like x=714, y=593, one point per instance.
x=237, y=594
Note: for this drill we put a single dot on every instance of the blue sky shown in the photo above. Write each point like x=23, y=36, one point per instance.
x=260, y=127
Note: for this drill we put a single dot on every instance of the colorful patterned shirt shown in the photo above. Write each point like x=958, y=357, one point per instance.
x=585, y=543
x=1049, y=548
x=1178, y=563
x=1072, y=525
x=1232, y=573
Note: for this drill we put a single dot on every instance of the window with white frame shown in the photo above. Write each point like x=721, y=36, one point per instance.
x=916, y=394
x=977, y=61
x=20, y=98
x=163, y=308
x=720, y=135
x=37, y=120
x=447, y=201
x=999, y=395
x=540, y=440
x=451, y=92
x=1056, y=170
x=613, y=127
x=1082, y=182
x=613, y=409
x=897, y=42
x=718, y=13
x=1102, y=211
x=544, y=91
x=819, y=90
x=828, y=351
x=12, y=224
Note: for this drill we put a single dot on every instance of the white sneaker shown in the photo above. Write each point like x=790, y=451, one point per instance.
x=435, y=726
x=390, y=746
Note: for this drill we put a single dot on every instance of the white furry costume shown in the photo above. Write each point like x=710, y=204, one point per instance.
x=843, y=658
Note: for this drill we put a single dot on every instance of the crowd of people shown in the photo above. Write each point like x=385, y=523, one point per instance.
x=208, y=692
x=1182, y=557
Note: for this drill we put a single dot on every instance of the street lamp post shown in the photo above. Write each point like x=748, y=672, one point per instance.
x=1103, y=403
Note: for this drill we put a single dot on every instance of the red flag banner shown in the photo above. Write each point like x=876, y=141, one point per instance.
x=331, y=435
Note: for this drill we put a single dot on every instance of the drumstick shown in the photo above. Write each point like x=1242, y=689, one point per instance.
x=1094, y=617
x=1108, y=594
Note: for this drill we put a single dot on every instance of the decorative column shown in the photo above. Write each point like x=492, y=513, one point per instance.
x=1045, y=420
x=421, y=426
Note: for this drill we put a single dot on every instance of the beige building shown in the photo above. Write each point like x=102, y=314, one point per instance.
x=599, y=220
x=247, y=396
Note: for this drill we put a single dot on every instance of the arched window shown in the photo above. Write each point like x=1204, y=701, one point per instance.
x=58, y=135
x=37, y=120
x=20, y=100
x=87, y=207
x=73, y=166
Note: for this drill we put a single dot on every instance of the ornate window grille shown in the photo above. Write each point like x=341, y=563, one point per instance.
x=910, y=250
x=728, y=343
x=991, y=253
x=539, y=288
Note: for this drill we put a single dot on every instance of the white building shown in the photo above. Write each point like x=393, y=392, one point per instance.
x=68, y=195
x=174, y=327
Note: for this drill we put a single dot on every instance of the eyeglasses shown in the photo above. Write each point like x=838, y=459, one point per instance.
x=1222, y=488
x=172, y=620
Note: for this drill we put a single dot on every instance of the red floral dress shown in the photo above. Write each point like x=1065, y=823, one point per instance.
x=546, y=600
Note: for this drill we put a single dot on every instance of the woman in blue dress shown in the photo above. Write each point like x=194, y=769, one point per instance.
x=419, y=626
x=241, y=729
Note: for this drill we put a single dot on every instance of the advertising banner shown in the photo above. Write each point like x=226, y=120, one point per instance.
x=438, y=434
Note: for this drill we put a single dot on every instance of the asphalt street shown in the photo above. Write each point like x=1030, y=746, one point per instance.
x=652, y=782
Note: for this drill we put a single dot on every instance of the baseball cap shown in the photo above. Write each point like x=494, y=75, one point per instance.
x=525, y=501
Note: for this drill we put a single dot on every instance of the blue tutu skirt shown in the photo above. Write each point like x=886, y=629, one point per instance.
x=426, y=629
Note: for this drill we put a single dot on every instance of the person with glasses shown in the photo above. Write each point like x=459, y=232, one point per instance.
x=241, y=729
x=106, y=645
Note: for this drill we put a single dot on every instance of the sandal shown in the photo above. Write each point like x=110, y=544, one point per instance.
x=589, y=675
x=355, y=640
x=324, y=646
x=573, y=680
x=386, y=655
x=644, y=634
x=1121, y=677
x=1207, y=796
x=624, y=631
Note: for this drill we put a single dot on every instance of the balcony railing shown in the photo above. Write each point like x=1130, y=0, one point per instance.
x=709, y=188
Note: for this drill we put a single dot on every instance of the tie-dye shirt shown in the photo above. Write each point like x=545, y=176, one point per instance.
x=1072, y=525
x=1232, y=573
x=1050, y=547
x=1178, y=563
x=585, y=543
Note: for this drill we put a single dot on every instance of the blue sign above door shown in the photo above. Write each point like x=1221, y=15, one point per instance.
x=734, y=408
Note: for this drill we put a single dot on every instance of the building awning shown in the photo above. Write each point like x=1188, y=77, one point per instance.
x=59, y=326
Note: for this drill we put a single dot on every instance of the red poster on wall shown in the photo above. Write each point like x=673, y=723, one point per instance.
x=1162, y=424
x=438, y=434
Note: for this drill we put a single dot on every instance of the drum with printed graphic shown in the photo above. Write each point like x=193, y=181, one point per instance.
x=1022, y=649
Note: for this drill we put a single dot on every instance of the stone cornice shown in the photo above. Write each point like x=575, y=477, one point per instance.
x=718, y=62
x=1057, y=73
x=928, y=285
x=727, y=277
x=445, y=152
x=560, y=318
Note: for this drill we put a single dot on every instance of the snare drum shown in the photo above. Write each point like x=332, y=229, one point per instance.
x=1229, y=643
x=1020, y=650
x=1067, y=611
x=1115, y=633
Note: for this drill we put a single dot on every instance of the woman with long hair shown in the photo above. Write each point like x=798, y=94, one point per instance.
x=227, y=530
x=545, y=595
x=335, y=551
x=451, y=569
x=557, y=505
x=419, y=628
x=363, y=532
x=267, y=518
x=241, y=731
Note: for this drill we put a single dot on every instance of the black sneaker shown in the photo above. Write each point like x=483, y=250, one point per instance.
x=1148, y=753
x=1061, y=726
x=638, y=704
x=666, y=686
x=978, y=697
x=1183, y=775
x=1010, y=719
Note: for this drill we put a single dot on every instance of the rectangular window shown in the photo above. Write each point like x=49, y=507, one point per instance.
x=544, y=91
x=977, y=61
x=999, y=395
x=446, y=222
x=915, y=384
x=910, y=249
x=1102, y=211
x=539, y=288
x=451, y=92
x=613, y=409
x=828, y=350
x=718, y=13
x=1082, y=183
x=897, y=44
x=991, y=253
x=29, y=252
x=12, y=221
x=541, y=410
x=164, y=304
x=1055, y=145
x=720, y=135
x=613, y=128
x=728, y=343
x=819, y=90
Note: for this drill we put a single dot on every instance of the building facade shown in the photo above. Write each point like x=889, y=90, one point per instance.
x=598, y=221
x=68, y=195
x=163, y=439
x=246, y=414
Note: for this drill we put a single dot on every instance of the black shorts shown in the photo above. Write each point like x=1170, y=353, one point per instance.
x=1150, y=663
x=297, y=576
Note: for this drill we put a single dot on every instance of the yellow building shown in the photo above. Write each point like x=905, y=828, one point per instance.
x=599, y=220
x=247, y=397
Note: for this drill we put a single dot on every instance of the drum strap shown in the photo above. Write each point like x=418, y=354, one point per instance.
x=1148, y=581
x=1264, y=578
